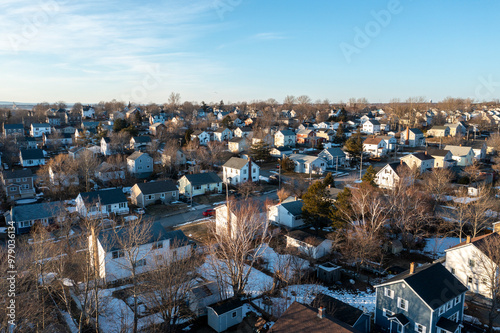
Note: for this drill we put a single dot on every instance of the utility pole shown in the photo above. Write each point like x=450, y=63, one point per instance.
x=337, y=167
x=279, y=174
x=361, y=166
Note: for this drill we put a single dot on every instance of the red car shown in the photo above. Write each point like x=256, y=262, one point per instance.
x=209, y=212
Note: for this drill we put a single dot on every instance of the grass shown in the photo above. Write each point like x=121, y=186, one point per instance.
x=161, y=210
x=197, y=231
x=209, y=199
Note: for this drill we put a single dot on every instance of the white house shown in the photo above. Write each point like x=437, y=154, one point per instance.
x=470, y=263
x=38, y=130
x=288, y=213
x=202, y=136
x=106, y=172
x=113, y=262
x=225, y=314
x=200, y=183
x=102, y=203
x=237, y=144
x=308, y=164
x=390, y=141
x=106, y=146
x=376, y=147
x=420, y=161
x=31, y=157
x=244, y=131
x=463, y=155
x=412, y=137
x=389, y=175
x=371, y=126
x=87, y=111
x=442, y=158
x=285, y=138
x=312, y=246
x=223, y=134
x=238, y=170
x=333, y=156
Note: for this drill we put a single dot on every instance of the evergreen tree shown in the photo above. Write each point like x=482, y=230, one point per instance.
x=316, y=205
x=260, y=151
x=339, y=135
x=187, y=135
x=369, y=176
x=342, y=205
x=354, y=146
x=329, y=180
x=286, y=164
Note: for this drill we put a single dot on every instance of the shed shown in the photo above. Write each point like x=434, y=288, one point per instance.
x=328, y=272
x=225, y=314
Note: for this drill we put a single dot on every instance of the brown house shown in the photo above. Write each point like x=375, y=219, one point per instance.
x=18, y=184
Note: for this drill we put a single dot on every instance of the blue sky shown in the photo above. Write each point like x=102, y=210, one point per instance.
x=242, y=50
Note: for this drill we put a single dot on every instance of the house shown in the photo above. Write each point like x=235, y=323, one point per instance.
x=113, y=264
x=439, y=131
x=140, y=164
x=57, y=138
x=280, y=152
x=225, y=314
x=354, y=317
x=423, y=299
x=299, y=318
x=13, y=130
x=156, y=128
x=376, y=147
x=333, y=156
x=419, y=161
x=389, y=176
x=223, y=134
x=106, y=146
x=244, y=131
x=72, y=118
x=371, y=126
x=87, y=111
x=202, y=295
x=31, y=157
x=287, y=213
x=412, y=137
x=140, y=142
x=144, y=194
x=25, y=216
x=63, y=176
x=106, y=172
x=471, y=263
x=37, y=130
x=390, y=142
x=479, y=147
x=199, y=184
x=235, y=225
x=18, y=184
x=312, y=246
x=237, y=144
x=202, y=137
x=285, y=138
x=442, y=158
x=238, y=170
x=463, y=155
x=176, y=158
x=457, y=129
x=306, y=137
x=308, y=164
x=102, y=203
x=326, y=135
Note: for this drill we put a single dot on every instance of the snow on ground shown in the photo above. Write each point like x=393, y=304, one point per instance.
x=305, y=293
x=276, y=261
x=69, y=320
x=436, y=246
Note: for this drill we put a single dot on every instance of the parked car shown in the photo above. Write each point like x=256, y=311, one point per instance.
x=140, y=211
x=209, y=212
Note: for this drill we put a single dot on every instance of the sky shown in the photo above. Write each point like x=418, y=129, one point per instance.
x=242, y=50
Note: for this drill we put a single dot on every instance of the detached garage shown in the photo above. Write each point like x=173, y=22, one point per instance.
x=225, y=314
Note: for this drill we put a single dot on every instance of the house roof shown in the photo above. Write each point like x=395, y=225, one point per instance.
x=303, y=158
x=205, y=290
x=23, y=173
x=226, y=306
x=294, y=207
x=373, y=122
x=221, y=129
x=306, y=237
x=156, y=233
x=142, y=139
x=106, y=139
x=372, y=141
x=13, y=126
x=300, y=318
x=478, y=241
x=106, y=196
x=37, y=211
x=203, y=178
x=422, y=156
x=458, y=150
x=32, y=154
x=437, y=152
x=447, y=324
x=338, y=309
x=40, y=125
x=396, y=167
x=157, y=187
x=287, y=132
x=429, y=281
x=442, y=128
x=401, y=318
x=235, y=163
x=135, y=155
x=246, y=129
x=335, y=151
x=106, y=167
x=237, y=139
x=416, y=131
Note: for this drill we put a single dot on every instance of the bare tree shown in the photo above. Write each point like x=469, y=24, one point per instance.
x=283, y=194
x=479, y=211
x=473, y=172
x=118, y=141
x=437, y=182
x=87, y=164
x=247, y=188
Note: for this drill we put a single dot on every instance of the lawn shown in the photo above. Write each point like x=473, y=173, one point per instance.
x=162, y=210
x=197, y=231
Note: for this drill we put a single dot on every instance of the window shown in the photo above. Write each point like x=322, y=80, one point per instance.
x=471, y=263
x=389, y=293
x=139, y=168
x=402, y=304
x=25, y=179
x=140, y=263
x=457, y=300
x=198, y=187
x=233, y=314
x=174, y=194
x=25, y=186
x=18, y=180
x=449, y=305
x=419, y=328
x=122, y=205
x=245, y=172
x=162, y=195
x=454, y=317
x=469, y=280
x=387, y=313
x=158, y=245
x=441, y=310
x=117, y=254
x=453, y=271
x=151, y=197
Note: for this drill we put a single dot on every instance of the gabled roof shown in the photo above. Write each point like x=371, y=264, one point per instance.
x=32, y=154
x=238, y=139
x=157, y=187
x=203, y=178
x=416, y=131
x=439, y=128
x=286, y=132
x=23, y=173
x=428, y=282
x=135, y=155
x=37, y=211
x=106, y=139
x=105, y=197
x=40, y=125
x=235, y=163
x=306, y=237
x=303, y=158
x=458, y=150
x=142, y=139
x=294, y=207
x=106, y=167
x=372, y=141
x=373, y=122
x=335, y=151
x=447, y=324
x=338, y=309
x=437, y=152
x=222, y=129
x=13, y=126
x=478, y=241
x=422, y=156
x=299, y=318
x=226, y=306
x=395, y=167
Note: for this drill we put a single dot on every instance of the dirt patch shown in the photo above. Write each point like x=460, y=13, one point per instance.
x=209, y=199
x=197, y=231
x=162, y=210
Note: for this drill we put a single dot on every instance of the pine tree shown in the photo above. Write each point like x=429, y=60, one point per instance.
x=354, y=145
x=369, y=176
x=329, y=180
x=286, y=164
x=342, y=205
x=316, y=207
x=260, y=151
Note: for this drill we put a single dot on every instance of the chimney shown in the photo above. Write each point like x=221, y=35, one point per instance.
x=321, y=312
x=426, y=152
x=468, y=240
x=401, y=162
x=496, y=227
x=460, y=145
x=412, y=268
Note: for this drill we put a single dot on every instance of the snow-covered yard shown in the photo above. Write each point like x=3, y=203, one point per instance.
x=275, y=261
x=436, y=246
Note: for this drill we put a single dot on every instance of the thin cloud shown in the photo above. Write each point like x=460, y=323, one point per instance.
x=269, y=36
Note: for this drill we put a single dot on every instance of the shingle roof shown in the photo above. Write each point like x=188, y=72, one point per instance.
x=300, y=318
x=373, y=121
x=157, y=233
x=429, y=281
x=37, y=211
x=477, y=241
x=306, y=237
x=235, y=163
x=372, y=141
x=23, y=173
x=32, y=154
x=423, y=156
x=13, y=126
x=106, y=197
x=416, y=131
x=439, y=127
x=142, y=139
x=107, y=139
x=237, y=139
x=294, y=207
x=337, y=309
x=226, y=306
x=447, y=324
x=135, y=155
x=287, y=132
x=157, y=187
x=203, y=178
x=437, y=152
x=303, y=158
x=458, y=150
x=40, y=125
x=335, y=151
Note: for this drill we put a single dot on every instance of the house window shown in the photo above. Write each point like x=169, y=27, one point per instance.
x=157, y=245
x=387, y=313
x=441, y=310
x=25, y=186
x=449, y=305
x=197, y=187
x=174, y=194
x=245, y=172
x=453, y=271
x=402, y=304
x=139, y=168
x=151, y=197
x=419, y=328
x=471, y=263
x=140, y=263
x=389, y=293
x=469, y=280
x=122, y=205
x=117, y=254
x=233, y=314
x=454, y=317
x=162, y=195
x=457, y=300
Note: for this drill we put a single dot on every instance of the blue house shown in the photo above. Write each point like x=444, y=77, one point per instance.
x=427, y=299
x=25, y=216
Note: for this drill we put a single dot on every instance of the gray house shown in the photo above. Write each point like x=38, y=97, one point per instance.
x=25, y=216
x=200, y=183
x=225, y=314
x=144, y=194
x=140, y=164
x=426, y=299
x=333, y=156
